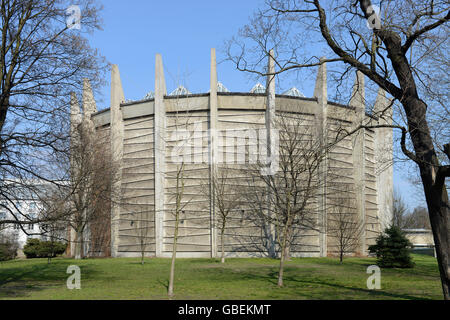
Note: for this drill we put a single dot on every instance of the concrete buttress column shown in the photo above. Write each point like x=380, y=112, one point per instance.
x=270, y=125
x=321, y=93
x=270, y=91
x=117, y=132
x=89, y=108
x=75, y=122
x=358, y=102
x=384, y=160
x=159, y=149
x=213, y=115
x=89, y=105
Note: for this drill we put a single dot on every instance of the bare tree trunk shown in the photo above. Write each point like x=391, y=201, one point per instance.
x=222, y=233
x=282, y=258
x=79, y=245
x=174, y=254
x=433, y=180
x=433, y=184
x=437, y=201
x=287, y=249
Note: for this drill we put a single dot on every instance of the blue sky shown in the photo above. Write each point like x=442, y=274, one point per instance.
x=184, y=33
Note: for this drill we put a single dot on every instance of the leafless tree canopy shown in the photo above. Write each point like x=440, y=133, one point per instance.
x=400, y=211
x=226, y=198
x=403, y=50
x=42, y=60
x=344, y=226
x=287, y=198
x=82, y=202
x=140, y=223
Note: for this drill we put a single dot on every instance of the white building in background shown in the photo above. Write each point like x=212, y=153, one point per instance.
x=22, y=201
x=422, y=241
x=25, y=210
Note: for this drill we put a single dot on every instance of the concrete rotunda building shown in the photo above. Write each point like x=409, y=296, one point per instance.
x=141, y=140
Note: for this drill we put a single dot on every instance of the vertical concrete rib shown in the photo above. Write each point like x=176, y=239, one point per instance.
x=359, y=172
x=89, y=108
x=213, y=115
x=89, y=105
x=384, y=160
x=321, y=93
x=117, y=132
x=270, y=91
x=159, y=149
x=270, y=121
x=75, y=122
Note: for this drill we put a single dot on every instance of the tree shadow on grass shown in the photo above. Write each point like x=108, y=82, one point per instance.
x=379, y=293
x=22, y=280
x=164, y=283
x=272, y=277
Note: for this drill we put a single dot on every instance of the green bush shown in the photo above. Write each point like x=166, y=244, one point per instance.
x=36, y=248
x=392, y=249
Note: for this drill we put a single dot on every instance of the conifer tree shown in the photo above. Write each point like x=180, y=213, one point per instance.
x=392, y=249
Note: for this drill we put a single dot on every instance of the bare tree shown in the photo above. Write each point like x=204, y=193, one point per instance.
x=227, y=199
x=399, y=211
x=100, y=230
x=418, y=219
x=179, y=206
x=141, y=225
x=86, y=197
x=43, y=57
x=403, y=50
x=287, y=195
x=8, y=245
x=344, y=226
x=182, y=137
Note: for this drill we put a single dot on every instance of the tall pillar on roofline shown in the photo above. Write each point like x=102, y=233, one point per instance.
x=117, y=132
x=272, y=152
x=213, y=140
x=384, y=160
x=159, y=149
x=75, y=122
x=89, y=105
x=358, y=102
x=270, y=91
x=321, y=94
x=89, y=108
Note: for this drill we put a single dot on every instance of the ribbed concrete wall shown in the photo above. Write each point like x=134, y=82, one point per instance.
x=372, y=227
x=137, y=187
x=145, y=142
x=194, y=236
x=236, y=114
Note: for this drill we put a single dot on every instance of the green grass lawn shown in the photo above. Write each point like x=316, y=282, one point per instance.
x=204, y=279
